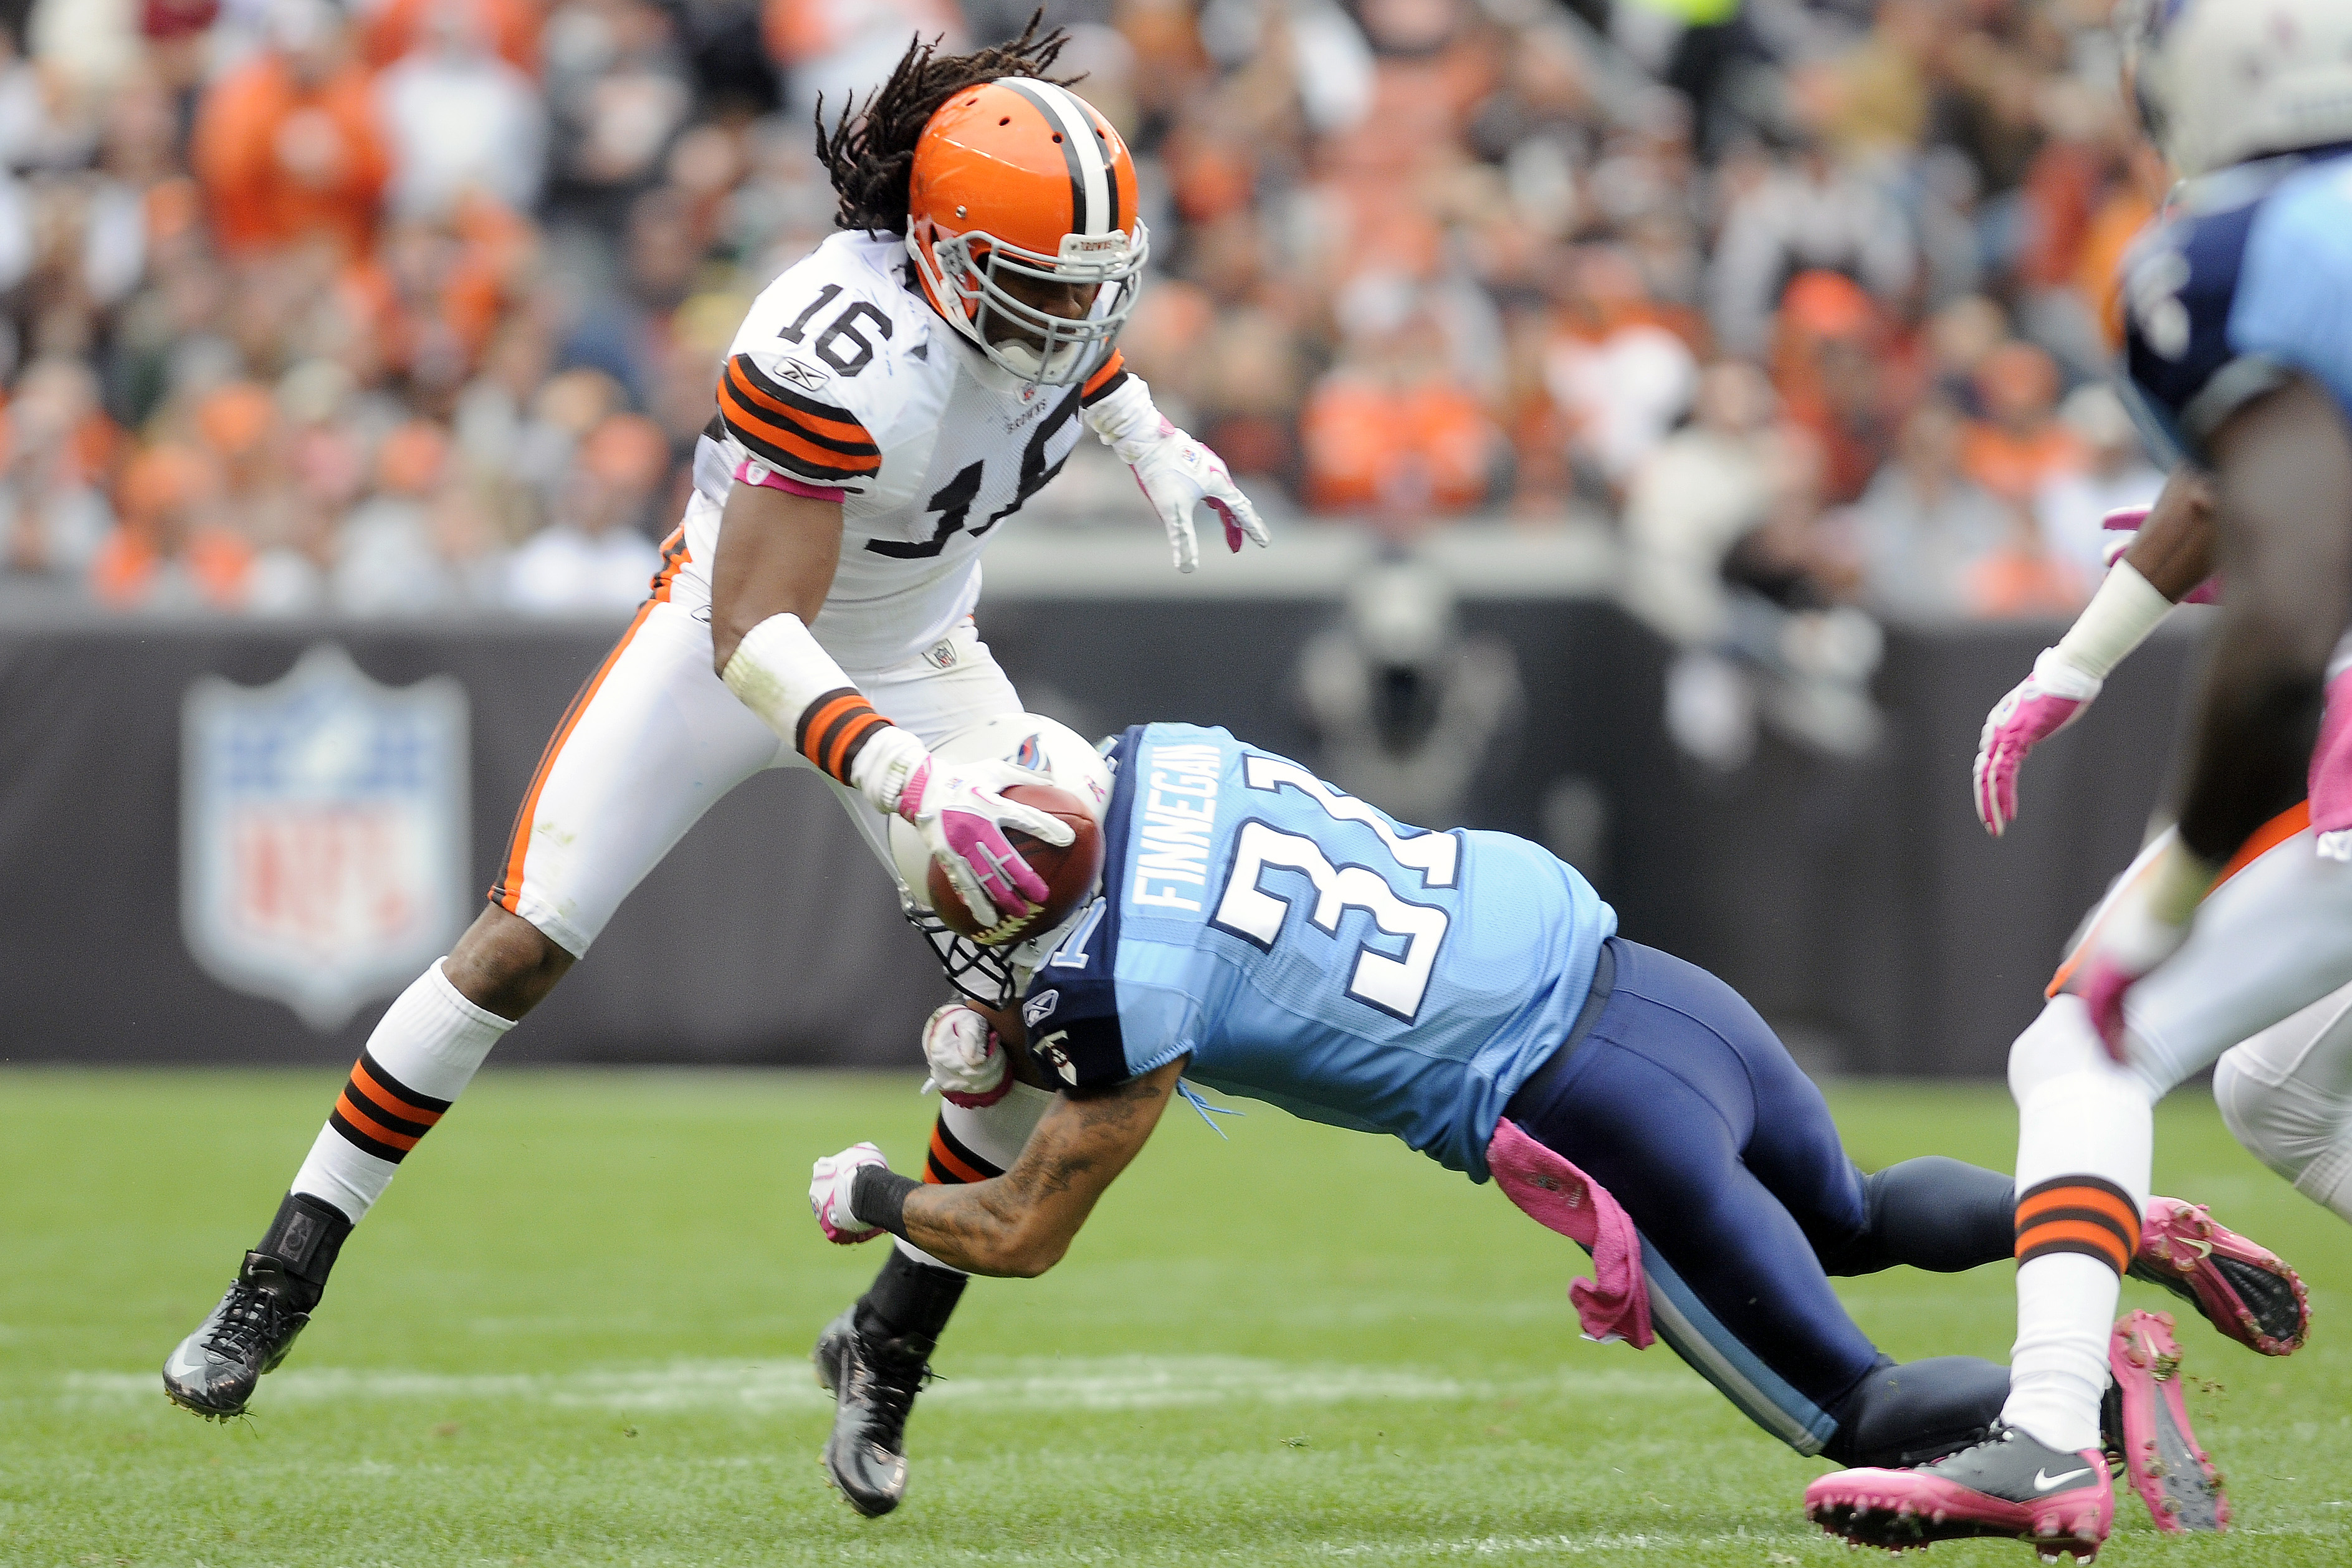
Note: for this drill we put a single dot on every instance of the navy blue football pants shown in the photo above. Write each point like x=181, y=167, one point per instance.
x=1682, y=1101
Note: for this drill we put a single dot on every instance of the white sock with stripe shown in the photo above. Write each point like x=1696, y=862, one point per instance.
x=424, y=1051
x=983, y=1141
x=2085, y=1135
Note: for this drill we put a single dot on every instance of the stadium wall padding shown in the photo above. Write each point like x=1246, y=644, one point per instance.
x=1856, y=902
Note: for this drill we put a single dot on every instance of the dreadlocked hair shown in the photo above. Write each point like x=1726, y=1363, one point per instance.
x=869, y=153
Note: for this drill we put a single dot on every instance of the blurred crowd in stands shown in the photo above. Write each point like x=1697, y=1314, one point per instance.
x=394, y=307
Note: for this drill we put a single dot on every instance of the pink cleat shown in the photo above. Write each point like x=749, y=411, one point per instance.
x=2242, y=1289
x=2160, y=1454
x=2010, y=1487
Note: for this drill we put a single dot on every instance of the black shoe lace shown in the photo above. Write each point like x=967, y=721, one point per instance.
x=890, y=1397
x=250, y=1322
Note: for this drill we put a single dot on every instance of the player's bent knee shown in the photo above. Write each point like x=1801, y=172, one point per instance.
x=2059, y=1043
x=505, y=963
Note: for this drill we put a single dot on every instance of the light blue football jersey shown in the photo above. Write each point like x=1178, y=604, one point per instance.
x=1305, y=949
x=2245, y=280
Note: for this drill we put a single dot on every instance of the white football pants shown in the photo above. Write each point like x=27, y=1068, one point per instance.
x=655, y=738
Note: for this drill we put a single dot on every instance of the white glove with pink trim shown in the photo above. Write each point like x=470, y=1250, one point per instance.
x=829, y=1188
x=960, y=815
x=1176, y=471
x=967, y=1064
x=2041, y=705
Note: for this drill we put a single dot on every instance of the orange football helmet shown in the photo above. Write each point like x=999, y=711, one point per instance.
x=1020, y=177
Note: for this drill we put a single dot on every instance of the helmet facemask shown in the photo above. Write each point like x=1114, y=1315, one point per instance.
x=963, y=270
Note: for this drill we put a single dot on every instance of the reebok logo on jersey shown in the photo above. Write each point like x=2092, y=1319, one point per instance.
x=1049, y=1050
x=1040, y=1007
x=2043, y=1481
x=804, y=376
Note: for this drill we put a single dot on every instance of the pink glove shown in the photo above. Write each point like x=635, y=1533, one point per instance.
x=962, y=818
x=2136, y=934
x=829, y=1187
x=2041, y=705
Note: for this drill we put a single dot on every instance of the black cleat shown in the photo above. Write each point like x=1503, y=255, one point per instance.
x=873, y=1380
x=215, y=1370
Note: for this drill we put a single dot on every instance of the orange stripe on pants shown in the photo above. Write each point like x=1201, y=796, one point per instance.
x=507, y=894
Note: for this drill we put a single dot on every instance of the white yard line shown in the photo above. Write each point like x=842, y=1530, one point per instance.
x=1127, y=1383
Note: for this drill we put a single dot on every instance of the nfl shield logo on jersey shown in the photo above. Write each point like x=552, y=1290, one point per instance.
x=324, y=833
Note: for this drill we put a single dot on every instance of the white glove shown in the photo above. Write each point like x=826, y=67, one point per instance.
x=1177, y=472
x=829, y=1194
x=966, y=1065
x=960, y=815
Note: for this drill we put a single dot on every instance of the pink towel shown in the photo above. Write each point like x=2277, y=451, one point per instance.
x=1614, y=1304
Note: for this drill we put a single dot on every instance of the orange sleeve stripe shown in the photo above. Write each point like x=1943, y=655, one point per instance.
x=844, y=429
x=757, y=432
x=388, y=1101
x=2070, y=1234
x=371, y=1126
x=945, y=1160
x=507, y=894
x=2098, y=1200
x=1109, y=368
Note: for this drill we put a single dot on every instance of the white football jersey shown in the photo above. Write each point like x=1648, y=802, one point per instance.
x=843, y=381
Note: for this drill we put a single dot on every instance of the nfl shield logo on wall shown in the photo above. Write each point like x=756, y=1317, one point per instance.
x=324, y=833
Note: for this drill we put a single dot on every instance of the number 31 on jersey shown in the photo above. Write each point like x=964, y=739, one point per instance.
x=1250, y=907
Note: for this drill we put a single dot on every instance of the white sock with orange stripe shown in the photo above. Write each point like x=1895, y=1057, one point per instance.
x=422, y=1054
x=2085, y=1134
x=975, y=1142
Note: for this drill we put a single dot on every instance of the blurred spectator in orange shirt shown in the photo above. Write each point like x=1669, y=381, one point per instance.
x=169, y=551
x=1829, y=362
x=286, y=145
x=2020, y=444
x=1391, y=432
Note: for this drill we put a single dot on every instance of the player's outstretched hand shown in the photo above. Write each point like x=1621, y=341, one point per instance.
x=1178, y=473
x=2041, y=705
x=829, y=1194
x=966, y=1062
x=962, y=817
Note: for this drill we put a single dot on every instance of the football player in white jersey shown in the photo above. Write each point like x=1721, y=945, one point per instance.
x=2239, y=348
x=888, y=404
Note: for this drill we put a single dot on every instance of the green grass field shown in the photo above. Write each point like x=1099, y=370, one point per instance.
x=575, y=1333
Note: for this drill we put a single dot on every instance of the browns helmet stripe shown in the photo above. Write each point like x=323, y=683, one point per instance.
x=1093, y=189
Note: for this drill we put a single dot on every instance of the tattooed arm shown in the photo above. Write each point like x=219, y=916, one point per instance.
x=1021, y=1223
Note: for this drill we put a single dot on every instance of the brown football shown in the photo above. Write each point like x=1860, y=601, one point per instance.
x=1069, y=871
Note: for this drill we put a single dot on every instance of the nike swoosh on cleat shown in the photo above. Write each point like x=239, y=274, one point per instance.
x=184, y=1364
x=2043, y=1481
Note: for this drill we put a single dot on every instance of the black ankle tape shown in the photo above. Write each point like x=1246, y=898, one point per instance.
x=305, y=1237
x=910, y=1300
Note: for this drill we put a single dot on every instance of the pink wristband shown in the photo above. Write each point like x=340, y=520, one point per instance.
x=748, y=472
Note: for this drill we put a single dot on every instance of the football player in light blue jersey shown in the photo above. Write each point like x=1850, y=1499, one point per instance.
x=1263, y=932
x=2238, y=308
